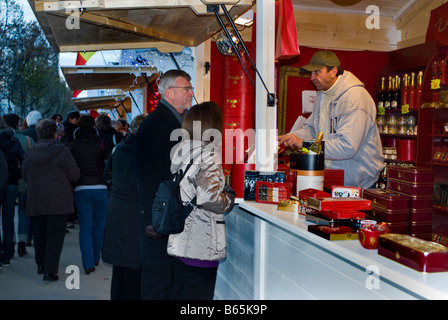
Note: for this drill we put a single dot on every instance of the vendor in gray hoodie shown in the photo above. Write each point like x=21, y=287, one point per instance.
x=346, y=114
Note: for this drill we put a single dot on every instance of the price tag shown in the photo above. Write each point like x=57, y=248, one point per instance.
x=404, y=109
x=381, y=111
x=435, y=84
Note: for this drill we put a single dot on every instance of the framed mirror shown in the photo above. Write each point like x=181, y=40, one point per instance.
x=285, y=73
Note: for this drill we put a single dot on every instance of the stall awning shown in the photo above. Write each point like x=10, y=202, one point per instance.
x=103, y=102
x=169, y=25
x=125, y=78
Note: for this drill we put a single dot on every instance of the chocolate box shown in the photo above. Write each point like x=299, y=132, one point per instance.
x=411, y=174
x=343, y=191
x=334, y=218
x=333, y=177
x=418, y=254
x=272, y=192
x=387, y=199
x=389, y=215
x=305, y=194
x=411, y=189
x=339, y=204
x=421, y=202
x=421, y=227
x=334, y=233
x=418, y=215
x=394, y=227
x=252, y=176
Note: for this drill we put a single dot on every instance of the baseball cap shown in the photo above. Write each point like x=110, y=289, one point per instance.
x=320, y=59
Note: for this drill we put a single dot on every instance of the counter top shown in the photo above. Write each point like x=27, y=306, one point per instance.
x=425, y=285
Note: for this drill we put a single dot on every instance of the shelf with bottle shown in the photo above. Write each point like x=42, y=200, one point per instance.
x=403, y=93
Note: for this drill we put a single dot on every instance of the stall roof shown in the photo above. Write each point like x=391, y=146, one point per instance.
x=103, y=102
x=168, y=25
x=126, y=78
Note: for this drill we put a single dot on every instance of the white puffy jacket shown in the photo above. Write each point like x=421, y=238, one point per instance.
x=203, y=237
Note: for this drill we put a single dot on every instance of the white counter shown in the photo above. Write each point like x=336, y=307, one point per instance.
x=271, y=255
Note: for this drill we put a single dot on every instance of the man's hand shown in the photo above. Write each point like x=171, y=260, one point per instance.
x=290, y=140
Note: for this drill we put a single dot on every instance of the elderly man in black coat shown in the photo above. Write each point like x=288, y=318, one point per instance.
x=152, y=152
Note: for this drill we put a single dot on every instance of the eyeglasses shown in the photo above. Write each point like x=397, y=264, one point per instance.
x=185, y=88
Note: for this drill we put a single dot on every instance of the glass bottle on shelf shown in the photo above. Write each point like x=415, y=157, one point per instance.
x=388, y=97
x=411, y=94
x=381, y=97
x=443, y=73
x=316, y=147
x=396, y=96
x=435, y=82
x=418, y=92
x=404, y=90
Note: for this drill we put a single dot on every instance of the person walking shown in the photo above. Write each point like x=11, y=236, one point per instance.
x=107, y=132
x=49, y=163
x=120, y=246
x=202, y=243
x=24, y=229
x=153, y=145
x=32, y=120
x=13, y=153
x=91, y=195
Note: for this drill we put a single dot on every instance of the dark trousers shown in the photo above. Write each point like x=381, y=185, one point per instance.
x=200, y=282
x=126, y=284
x=49, y=233
x=163, y=282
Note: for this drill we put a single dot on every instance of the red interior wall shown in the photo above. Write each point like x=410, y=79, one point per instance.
x=366, y=65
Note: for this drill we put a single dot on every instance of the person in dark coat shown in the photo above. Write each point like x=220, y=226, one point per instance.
x=70, y=125
x=49, y=170
x=152, y=153
x=120, y=247
x=13, y=153
x=32, y=119
x=91, y=194
x=108, y=134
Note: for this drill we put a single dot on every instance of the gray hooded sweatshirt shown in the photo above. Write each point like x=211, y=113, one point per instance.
x=354, y=143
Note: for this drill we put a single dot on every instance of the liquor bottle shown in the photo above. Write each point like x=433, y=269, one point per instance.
x=404, y=90
x=383, y=178
x=443, y=73
x=396, y=96
x=418, y=91
x=316, y=147
x=411, y=95
x=434, y=82
x=388, y=98
x=381, y=96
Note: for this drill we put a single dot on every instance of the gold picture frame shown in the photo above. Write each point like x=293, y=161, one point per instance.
x=285, y=73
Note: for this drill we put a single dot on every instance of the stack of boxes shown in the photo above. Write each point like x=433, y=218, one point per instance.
x=418, y=184
x=407, y=203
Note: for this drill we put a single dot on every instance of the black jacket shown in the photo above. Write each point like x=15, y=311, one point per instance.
x=152, y=155
x=90, y=156
x=69, y=128
x=13, y=152
x=110, y=138
x=31, y=132
x=120, y=246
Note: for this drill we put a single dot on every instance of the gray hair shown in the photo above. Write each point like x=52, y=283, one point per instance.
x=168, y=79
x=136, y=122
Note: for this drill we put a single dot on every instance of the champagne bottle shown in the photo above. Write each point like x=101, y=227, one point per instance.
x=418, y=92
x=411, y=95
x=381, y=95
x=404, y=90
x=388, y=97
x=316, y=147
x=396, y=96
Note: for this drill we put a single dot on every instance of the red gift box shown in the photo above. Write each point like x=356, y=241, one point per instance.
x=272, y=192
x=334, y=233
x=387, y=199
x=418, y=254
x=339, y=204
x=411, y=174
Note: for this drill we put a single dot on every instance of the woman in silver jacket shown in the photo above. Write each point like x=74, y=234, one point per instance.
x=202, y=244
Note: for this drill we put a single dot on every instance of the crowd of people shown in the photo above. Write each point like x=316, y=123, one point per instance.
x=105, y=175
